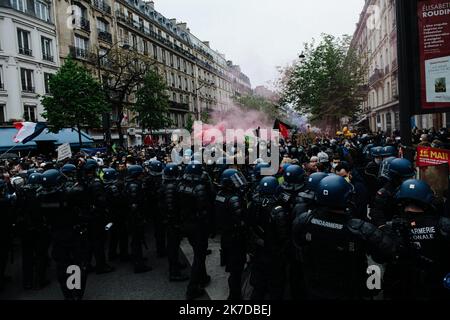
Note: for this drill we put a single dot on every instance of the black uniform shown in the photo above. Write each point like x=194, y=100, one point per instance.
x=384, y=205
x=196, y=199
x=6, y=221
x=423, y=259
x=231, y=209
x=35, y=238
x=60, y=206
x=269, y=224
x=333, y=248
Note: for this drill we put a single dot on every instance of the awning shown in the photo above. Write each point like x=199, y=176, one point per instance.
x=64, y=136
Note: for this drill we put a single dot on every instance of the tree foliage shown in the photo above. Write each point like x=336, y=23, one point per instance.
x=325, y=83
x=251, y=102
x=152, y=105
x=77, y=99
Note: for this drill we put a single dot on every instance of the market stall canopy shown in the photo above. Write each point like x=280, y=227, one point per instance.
x=63, y=136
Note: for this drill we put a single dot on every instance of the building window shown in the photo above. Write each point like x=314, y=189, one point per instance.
x=134, y=39
x=155, y=52
x=29, y=113
x=174, y=97
x=46, y=49
x=81, y=46
x=41, y=10
x=102, y=25
x=2, y=113
x=173, y=80
x=27, y=80
x=163, y=55
x=47, y=77
x=23, y=39
x=2, y=85
x=179, y=82
x=145, y=47
x=20, y=5
x=178, y=63
x=171, y=60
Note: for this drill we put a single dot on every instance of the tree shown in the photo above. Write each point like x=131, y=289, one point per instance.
x=261, y=104
x=189, y=122
x=325, y=82
x=123, y=72
x=152, y=105
x=77, y=99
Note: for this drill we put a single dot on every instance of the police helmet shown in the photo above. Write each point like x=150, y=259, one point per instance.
x=51, y=178
x=294, y=174
x=34, y=170
x=232, y=178
x=134, y=171
x=172, y=170
x=334, y=192
x=269, y=186
x=417, y=191
x=109, y=175
x=156, y=166
x=257, y=170
x=313, y=180
x=384, y=168
x=35, y=178
x=90, y=164
x=388, y=151
x=68, y=169
x=376, y=152
x=194, y=167
x=401, y=168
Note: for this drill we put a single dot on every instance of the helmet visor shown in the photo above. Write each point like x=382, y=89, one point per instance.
x=238, y=180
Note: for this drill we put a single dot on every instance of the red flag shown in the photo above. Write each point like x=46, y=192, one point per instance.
x=148, y=140
x=283, y=130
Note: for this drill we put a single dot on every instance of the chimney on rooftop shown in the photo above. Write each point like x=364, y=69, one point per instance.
x=173, y=21
x=206, y=43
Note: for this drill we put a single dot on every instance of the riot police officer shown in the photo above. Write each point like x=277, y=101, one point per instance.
x=196, y=196
x=68, y=229
x=306, y=199
x=6, y=220
x=394, y=171
x=135, y=201
x=118, y=212
x=333, y=245
x=231, y=208
x=424, y=237
x=269, y=228
x=372, y=169
x=152, y=188
x=170, y=208
x=35, y=237
x=98, y=214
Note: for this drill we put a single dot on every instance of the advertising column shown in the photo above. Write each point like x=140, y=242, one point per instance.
x=434, y=50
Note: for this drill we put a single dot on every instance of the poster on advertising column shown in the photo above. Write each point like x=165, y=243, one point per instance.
x=434, y=48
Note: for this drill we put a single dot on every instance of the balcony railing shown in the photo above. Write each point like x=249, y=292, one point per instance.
x=79, y=52
x=177, y=105
x=28, y=89
x=105, y=36
x=26, y=51
x=376, y=76
x=83, y=23
x=102, y=6
x=47, y=57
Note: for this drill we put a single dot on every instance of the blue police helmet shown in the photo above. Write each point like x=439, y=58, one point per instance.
x=51, y=178
x=172, y=170
x=90, y=164
x=31, y=171
x=401, y=168
x=134, y=171
x=35, y=178
x=294, y=174
x=376, y=152
x=258, y=168
x=269, y=186
x=194, y=167
x=232, y=178
x=285, y=166
x=415, y=190
x=313, y=180
x=68, y=168
x=109, y=174
x=388, y=151
x=334, y=192
x=156, y=166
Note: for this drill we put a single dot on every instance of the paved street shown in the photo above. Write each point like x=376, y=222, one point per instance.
x=123, y=284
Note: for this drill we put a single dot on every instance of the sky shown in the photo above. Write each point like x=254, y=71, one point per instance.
x=261, y=35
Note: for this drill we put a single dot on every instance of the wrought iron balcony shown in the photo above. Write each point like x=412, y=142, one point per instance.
x=102, y=6
x=104, y=35
x=179, y=106
x=47, y=57
x=376, y=76
x=83, y=23
x=26, y=51
x=79, y=53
